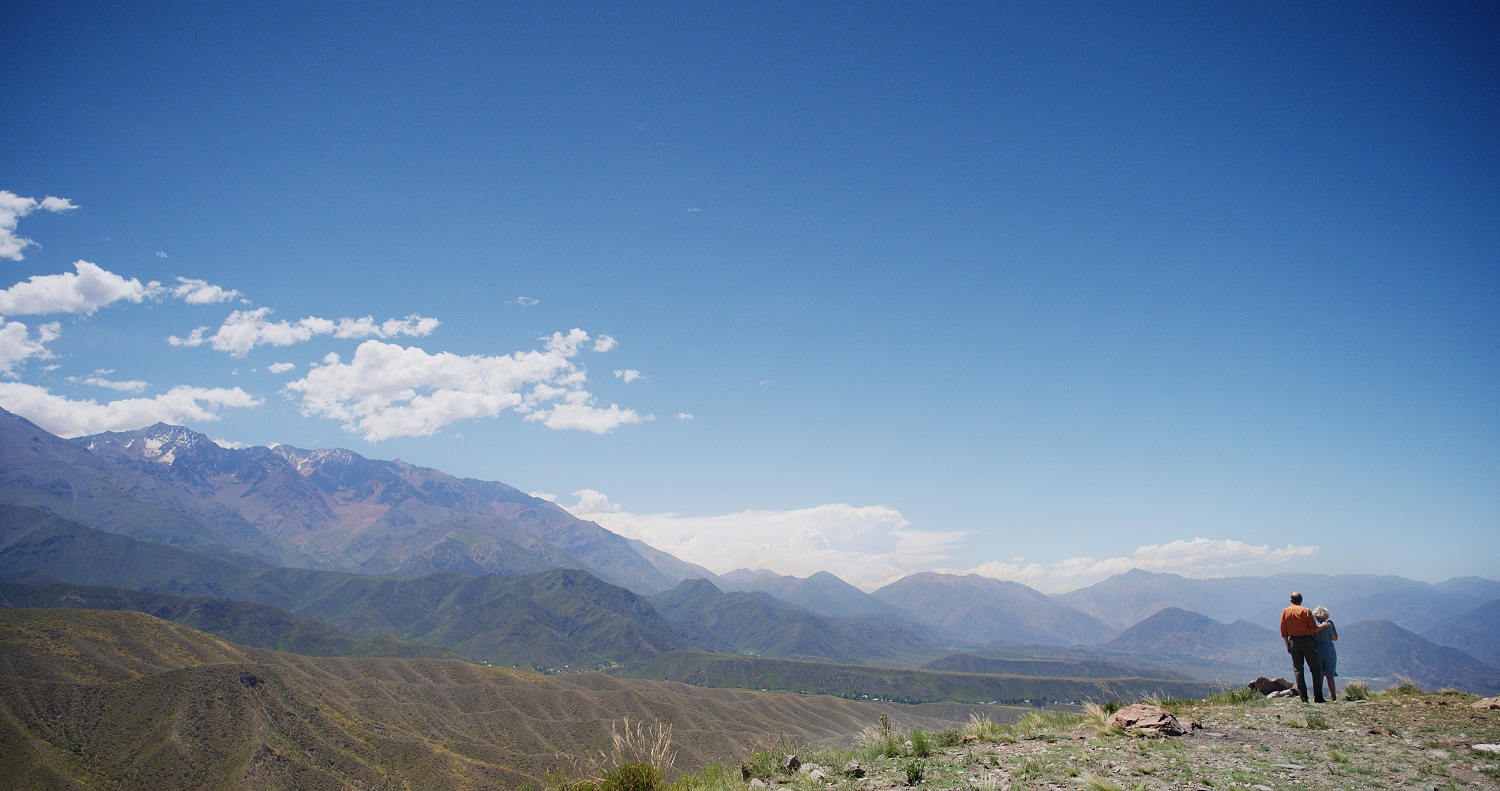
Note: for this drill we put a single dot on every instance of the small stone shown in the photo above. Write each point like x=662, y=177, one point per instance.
x=853, y=769
x=817, y=774
x=757, y=783
x=791, y=763
x=1289, y=767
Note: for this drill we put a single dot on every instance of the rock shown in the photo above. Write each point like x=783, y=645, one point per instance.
x=817, y=774
x=791, y=763
x=854, y=770
x=1141, y=717
x=1488, y=748
x=1266, y=686
x=1284, y=693
x=1487, y=703
x=1289, y=767
x=757, y=783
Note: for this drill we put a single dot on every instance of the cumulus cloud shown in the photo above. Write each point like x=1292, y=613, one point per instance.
x=867, y=546
x=604, y=343
x=684, y=416
x=629, y=375
x=85, y=291
x=68, y=418
x=246, y=329
x=1198, y=557
x=12, y=208
x=281, y=368
x=388, y=390
x=200, y=292
x=18, y=344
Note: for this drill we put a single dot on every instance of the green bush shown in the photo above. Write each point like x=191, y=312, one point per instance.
x=921, y=746
x=915, y=770
x=1356, y=691
x=634, y=776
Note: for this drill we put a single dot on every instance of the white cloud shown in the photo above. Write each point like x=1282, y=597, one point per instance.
x=526, y=301
x=1198, y=557
x=684, y=416
x=388, y=390
x=200, y=292
x=604, y=343
x=161, y=254
x=97, y=380
x=629, y=375
x=867, y=546
x=85, y=291
x=281, y=368
x=12, y=208
x=17, y=343
x=246, y=329
x=67, y=418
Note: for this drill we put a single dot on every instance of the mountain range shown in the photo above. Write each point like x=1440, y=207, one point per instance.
x=402, y=557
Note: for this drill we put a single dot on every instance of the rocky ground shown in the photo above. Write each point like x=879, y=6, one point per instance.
x=1393, y=741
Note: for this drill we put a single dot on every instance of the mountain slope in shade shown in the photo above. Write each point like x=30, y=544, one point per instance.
x=244, y=623
x=972, y=662
x=1177, y=634
x=1476, y=633
x=560, y=617
x=822, y=593
x=122, y=700
x=1384, y=651
x=758, y=623
x=42, y=471
x=979, y=610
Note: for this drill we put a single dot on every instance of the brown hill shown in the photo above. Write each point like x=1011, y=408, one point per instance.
x=121, y=699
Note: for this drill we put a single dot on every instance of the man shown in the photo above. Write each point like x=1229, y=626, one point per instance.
x=1297, y=629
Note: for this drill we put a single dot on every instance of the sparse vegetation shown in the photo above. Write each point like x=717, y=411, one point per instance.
x=1356, y=691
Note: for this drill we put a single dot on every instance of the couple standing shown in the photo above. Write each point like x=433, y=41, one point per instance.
x=1303, y=633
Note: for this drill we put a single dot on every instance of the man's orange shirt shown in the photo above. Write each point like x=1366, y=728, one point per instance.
x=1297, y=621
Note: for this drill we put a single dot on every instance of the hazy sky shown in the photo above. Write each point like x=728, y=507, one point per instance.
x=1045, y=290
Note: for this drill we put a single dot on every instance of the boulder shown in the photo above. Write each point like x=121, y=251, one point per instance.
x=791, y=764
x=1487, y=703
x=854, y=770
x=1141, y=717
x=1266, y=686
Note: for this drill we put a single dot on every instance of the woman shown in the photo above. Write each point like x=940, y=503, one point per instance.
x=1328, y=655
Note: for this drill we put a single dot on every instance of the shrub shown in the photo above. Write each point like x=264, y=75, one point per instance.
x=1356, y=691
x=952, y=737
x=1406, y=687
x=921, y=746
x=915, y=770
x=633, y=776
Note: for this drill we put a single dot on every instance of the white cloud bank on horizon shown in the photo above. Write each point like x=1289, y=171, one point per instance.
x=12, y=208
x=246, y=329
x=68, y=418
x=871, y=546
x=867, y=546
x=388, y=390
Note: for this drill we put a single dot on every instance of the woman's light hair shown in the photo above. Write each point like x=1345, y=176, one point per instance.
x=1321, y=613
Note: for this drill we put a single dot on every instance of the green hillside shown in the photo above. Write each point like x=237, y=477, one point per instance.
x=245, y=623
x=858, y=682
x=110, y=699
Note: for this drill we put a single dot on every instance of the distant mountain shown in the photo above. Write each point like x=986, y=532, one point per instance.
x=245, y=623
x=979, y=610
x=758, y=623
x=346, y=512
x=42, y=471
x=822, y=593
x=94, y=699
x=1385, y=652
x=1202, y=646
x=1476, y=633
x=1128, y=598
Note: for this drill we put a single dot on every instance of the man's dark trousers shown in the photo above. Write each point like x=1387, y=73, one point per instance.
x=1306, y=648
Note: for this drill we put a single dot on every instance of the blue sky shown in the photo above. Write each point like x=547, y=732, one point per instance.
x=1042, y=290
